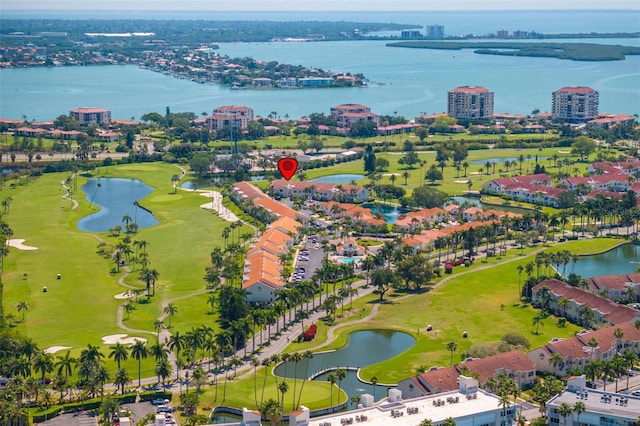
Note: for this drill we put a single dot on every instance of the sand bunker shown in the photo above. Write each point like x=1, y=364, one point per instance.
x=563, y=151
x=461, y=181
x=17, y=243
x=125, y=295
x=122, y=339
x=54, y=349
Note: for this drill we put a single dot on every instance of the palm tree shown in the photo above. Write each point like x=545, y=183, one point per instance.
x=43, y=362
x=163, y=370
x=118, y=353
x=177, y=343
x=565, y=410
x=537, y=321
x=138, y=352
x=449, y=422
x=374, y=382
x=65, y=363
x=158, y=325
x=102, y=377
x=557, y=361
x=265, y=363
x=272, y=410
x=122, y=379
x=579, y=408
x=406, y=176
x=170, y=310
x=283, y=387
x=452, y=347
x=332, y=378
x=22, y=307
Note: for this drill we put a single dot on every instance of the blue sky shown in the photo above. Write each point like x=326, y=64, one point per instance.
x=317, y=5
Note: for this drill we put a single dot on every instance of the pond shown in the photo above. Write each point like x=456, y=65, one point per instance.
x=115, y=197
x=623, y=259
x=342, y=178
x=475, y=201
x=364, y=348
x=390, y=213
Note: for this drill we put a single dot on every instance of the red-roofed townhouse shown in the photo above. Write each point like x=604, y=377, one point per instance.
x=514, y=364
x=602, y=310
x=619, y=288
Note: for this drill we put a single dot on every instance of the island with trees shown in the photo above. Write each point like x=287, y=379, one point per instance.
x=569, y=51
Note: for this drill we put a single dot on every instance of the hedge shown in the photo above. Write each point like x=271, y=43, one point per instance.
x=151, y=395
x=47, y=414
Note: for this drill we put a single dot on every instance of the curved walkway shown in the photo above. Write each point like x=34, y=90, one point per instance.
x=67, y=194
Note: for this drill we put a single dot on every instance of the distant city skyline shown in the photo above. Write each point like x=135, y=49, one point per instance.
x=314, y=5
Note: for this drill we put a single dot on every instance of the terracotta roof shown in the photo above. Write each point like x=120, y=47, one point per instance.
x=612, y=312
x=439, y=380
x=570, y=348
x=470, y=89
x=614, y=281
x=605, y=336
x=576, y=89
x=515, y=360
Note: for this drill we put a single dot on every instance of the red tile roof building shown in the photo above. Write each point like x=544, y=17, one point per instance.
x=245, y=192
x=514, y=364
x=534, y=189
x=624, y=287
x=320, y=191
x=578, y=351
x=262, y=276
x=230, y=115
x=604, y=310
x=348, y=114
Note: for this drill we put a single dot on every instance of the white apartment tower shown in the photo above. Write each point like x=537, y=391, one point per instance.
x=470, y=102
x=575, y=104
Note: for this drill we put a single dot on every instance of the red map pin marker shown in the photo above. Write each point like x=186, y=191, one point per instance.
x=288, y=167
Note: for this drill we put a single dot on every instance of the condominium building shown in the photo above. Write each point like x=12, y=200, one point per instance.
x=435, y=31
x=348, y=114
x=470, y=102
x=230, y=115
x=575, y=104
x=86, y=116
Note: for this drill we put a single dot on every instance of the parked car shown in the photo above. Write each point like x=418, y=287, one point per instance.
x=160, y=401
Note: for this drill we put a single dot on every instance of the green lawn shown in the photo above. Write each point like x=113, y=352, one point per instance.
x=470, y=302
x=81, y=308
x=454, y=182
x=240, y=393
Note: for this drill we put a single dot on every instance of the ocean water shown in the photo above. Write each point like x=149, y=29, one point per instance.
x=404, y=81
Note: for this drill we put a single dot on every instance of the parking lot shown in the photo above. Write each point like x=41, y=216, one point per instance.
x=308, y=258
x=138, y=410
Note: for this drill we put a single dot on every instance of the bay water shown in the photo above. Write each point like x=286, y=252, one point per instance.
x=403, y=81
